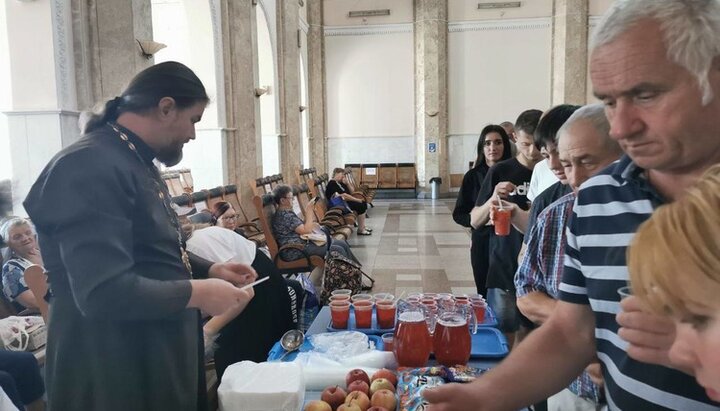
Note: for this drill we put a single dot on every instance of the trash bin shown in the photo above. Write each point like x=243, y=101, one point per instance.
x=435, y=187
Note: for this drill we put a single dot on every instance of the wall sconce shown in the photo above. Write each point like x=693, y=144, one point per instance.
x=148, y=47
x=432, y=113
x=303, y=108
x=259, y=91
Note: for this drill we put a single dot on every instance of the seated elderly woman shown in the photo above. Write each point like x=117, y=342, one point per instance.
x=249, y=330
x=337, y=188
x=674, y=264
x=223, y=214
x=21, y=253
x=288, y=228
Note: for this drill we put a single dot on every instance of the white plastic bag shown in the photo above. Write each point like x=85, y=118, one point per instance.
x=15, y=331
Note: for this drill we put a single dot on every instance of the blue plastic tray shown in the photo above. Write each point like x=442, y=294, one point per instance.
x=373, y=330
x=488, y=343
x=277, y=350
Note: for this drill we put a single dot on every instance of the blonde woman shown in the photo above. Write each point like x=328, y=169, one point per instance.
x=674, y=264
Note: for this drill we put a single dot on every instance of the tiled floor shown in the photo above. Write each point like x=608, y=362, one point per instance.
x=415, y=246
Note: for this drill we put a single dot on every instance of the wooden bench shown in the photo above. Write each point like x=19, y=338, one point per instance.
x=406, y=175
x=265, y=207
x=387, y=175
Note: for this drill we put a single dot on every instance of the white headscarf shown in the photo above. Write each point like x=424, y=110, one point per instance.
x=220, y=245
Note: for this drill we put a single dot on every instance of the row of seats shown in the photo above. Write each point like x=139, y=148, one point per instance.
x=385, y=175
x=310, y=185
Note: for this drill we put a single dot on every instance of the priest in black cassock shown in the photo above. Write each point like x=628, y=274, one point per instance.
x=124, y=320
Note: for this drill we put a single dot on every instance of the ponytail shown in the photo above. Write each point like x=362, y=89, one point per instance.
x=90, y=121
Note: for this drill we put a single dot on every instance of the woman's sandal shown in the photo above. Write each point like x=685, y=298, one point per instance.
x=366, y=232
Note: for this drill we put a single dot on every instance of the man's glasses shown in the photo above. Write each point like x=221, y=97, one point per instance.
x=230, y=217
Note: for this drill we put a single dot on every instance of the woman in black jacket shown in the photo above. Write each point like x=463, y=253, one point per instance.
x=493, y=146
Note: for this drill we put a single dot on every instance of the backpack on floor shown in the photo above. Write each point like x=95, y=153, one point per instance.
x=340, y=272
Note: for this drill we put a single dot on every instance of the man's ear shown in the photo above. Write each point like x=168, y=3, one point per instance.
x=166, y=105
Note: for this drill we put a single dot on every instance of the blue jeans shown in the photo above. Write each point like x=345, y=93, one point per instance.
x=504, y=305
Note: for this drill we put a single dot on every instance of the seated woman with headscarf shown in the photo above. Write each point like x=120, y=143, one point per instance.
x=246, y=332
x=288, y=228
x=22, y=252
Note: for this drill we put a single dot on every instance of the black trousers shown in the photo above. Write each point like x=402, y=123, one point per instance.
x=479, y=257
x=20, y=377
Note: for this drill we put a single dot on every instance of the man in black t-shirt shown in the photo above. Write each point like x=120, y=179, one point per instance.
x=509, y=180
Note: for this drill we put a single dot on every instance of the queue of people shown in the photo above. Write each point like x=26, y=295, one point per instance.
x=642, y=213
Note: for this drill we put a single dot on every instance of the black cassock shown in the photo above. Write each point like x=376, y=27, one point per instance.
x=120, y=337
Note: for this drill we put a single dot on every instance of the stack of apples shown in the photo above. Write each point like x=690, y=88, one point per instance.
x=361, y=394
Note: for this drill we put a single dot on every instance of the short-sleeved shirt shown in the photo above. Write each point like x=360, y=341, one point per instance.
x=13, y=280
x=542, y=178
x=284, y=224
x=607, y=212
x=542, y=266
x=504, y=250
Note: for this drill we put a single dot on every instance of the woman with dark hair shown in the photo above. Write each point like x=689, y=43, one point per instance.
x=124, y=330
x=337, y=187
x=493, y=146
x=288, y=228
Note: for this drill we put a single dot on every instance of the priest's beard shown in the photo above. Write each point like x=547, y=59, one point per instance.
x=170, y=156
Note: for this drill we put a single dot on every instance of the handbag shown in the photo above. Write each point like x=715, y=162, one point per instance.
x=340, y=273
x=316, y=238
x=338, y=201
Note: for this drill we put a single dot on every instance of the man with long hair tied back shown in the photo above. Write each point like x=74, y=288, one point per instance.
x=124, y=330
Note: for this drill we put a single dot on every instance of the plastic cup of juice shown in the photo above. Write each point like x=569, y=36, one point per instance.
x=385, y=313
x=501, y=219
x=388, y=340
x=340, y=314
x=363, y=313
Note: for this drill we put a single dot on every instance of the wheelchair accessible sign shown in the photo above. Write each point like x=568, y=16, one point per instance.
x=432, y=147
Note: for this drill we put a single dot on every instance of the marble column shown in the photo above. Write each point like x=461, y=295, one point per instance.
x=569, y=51
x=106, y=51
x=431, y=83
x=79, y=53
x=288, y=87
x=316, y=89
x=238, y=56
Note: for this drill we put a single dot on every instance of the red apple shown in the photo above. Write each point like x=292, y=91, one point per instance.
x=356, y=374
x=345, y=407
x=333, y=396
x=387, y=374
x=317, y=406
x=358, y=398
x=385, y=399
x=376, y=408
x=358, y=385
x=381, y=384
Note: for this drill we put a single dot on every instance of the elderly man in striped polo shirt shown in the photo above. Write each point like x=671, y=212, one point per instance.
x=655, y=64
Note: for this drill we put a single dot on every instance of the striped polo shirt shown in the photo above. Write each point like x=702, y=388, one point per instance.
x=608, y=210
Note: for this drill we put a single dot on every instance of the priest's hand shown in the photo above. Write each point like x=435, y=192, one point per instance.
x=215, y=296
x=236, y=273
